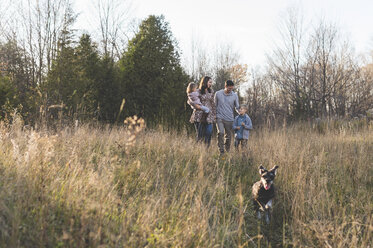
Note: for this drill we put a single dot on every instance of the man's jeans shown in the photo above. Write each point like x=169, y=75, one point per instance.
x=224, y=134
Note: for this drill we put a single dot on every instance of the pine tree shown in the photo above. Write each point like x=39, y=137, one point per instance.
x=109, y=96
x=62, y=80
x=152, y=78
x=60, y=86
x=87, y=66
x=15, y=79
x=8, y=96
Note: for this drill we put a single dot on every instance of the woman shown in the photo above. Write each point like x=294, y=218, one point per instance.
x=204, y=122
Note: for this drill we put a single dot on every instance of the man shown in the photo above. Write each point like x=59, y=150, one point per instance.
x=226, y=102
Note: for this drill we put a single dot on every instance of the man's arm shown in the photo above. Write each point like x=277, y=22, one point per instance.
x=235, y=124
x=236, y=104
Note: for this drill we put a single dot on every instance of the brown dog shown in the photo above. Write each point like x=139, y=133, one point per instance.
x=263, y=192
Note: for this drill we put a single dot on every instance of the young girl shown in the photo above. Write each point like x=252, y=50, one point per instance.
x=193, y=98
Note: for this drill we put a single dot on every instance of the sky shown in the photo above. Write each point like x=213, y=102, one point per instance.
x=250, y=26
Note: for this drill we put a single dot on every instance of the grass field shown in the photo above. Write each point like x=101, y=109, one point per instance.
x=108, y=187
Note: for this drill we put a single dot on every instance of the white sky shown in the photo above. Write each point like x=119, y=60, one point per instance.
x=251, y=25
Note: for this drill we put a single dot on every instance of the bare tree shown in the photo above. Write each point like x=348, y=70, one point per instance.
x=220, y=62
x=36, y=26
x=198, y=64
x=239, y=74
x=333, y=70
x=32, y=30
x=360, y=94
x=4, y=9
x=113, y=17
x=285, y=63
x=325, y=39
x=314, y=72
x=266, y=104
x=224, y=58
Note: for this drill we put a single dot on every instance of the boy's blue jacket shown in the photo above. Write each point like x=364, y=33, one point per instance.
x=243, y=132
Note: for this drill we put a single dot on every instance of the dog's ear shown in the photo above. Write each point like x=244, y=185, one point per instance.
x=262, y=170
x=274, y=169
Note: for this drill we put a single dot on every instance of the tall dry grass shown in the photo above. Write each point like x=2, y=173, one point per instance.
x=100, y=187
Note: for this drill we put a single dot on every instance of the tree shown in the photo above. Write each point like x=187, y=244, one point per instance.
x=109, y=92
x=8, y=96
x=286, y=62
x=314, y=75
x=225, y=58
x=112, y=15
x=239, y=75
x=266, y=103
x=60, y=88
x=15, y=66
x=36, y=26
x=88, y=69
x=153, y=80
x=360, y=94
x=221, y=63
x=34, y=30
x=199, y=64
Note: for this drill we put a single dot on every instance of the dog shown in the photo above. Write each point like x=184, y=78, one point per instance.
x=263, y=192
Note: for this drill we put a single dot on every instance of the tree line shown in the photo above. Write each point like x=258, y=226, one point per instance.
x=49, y=73
x=311, y=75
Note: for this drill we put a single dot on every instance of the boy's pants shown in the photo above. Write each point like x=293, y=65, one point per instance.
x=224, y=134
x=243, y=143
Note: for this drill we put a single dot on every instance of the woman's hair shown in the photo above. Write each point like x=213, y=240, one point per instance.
x=191, y=87
x=203, y=85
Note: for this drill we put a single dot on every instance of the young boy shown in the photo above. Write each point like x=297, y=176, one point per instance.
x=241, y=126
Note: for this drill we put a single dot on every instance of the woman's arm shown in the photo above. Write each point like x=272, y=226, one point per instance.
x=215, y=99
x=212, y=100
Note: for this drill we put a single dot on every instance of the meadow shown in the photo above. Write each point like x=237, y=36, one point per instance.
x=85, y=186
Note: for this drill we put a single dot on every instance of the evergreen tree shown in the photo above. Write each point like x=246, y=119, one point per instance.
x=62, y=80
x=87, y=66
x=8, y=96
x=60, y=86
x=109, y=95
x=152, y=78
x=16, y=78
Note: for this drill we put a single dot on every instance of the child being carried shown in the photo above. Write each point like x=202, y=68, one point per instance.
x=193, y=98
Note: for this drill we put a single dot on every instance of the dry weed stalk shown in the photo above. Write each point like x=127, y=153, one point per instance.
x=134, y=126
